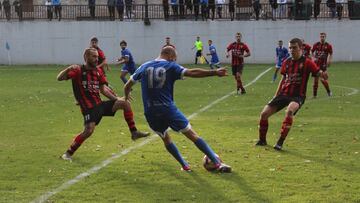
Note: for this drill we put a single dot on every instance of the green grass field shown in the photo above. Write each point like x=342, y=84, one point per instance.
x=320, y=161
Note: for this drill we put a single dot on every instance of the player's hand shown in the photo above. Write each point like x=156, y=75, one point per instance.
x=72, y=67
x=221, y=72
x=128, y=98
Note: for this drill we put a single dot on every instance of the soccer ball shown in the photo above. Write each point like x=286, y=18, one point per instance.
x=208, y=164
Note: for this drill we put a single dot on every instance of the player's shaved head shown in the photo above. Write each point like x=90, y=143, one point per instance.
x=168, y=53
x=91, y=57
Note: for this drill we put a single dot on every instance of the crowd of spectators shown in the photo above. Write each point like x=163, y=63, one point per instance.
x=199, y=9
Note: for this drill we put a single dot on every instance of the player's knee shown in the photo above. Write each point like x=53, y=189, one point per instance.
x=289, y=113
x=88, y=131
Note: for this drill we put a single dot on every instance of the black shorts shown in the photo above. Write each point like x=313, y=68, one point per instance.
x=95, y=114
x=282, y=101
x=198, y=53
x=237, y=69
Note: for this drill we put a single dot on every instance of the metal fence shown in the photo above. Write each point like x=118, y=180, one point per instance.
x=182, y=12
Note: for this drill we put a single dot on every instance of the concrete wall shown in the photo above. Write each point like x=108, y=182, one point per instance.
x=42, y=42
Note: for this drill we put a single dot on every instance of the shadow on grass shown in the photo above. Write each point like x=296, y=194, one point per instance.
x=254, y=195
x=331, y=163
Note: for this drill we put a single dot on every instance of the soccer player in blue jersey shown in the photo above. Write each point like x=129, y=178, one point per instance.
x=282, y=53
x=128, y=61
x=157, y=79
x=214, y=57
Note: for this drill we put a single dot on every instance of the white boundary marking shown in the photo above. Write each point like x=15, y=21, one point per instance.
x=96, y=168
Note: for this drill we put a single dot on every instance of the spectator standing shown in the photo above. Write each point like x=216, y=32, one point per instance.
x=204, y=9
x=211, y=9
x=339, y=8
x=128, y=8
x=332, y=6
x=257, y=8
x=274, y=6
x=282, y=9
x=92, y=8
x=232, y=9
x=182, y=8
x=49, y=9
x=175, y=8
x=111, y=8
x=120, y=9
x=316, y=8
x=196, y=8
x=166, y=9
x=18, y=8
x=299, y=8
x=219, y=5
x=189, y=6
x=7, y=9
x=57, y=8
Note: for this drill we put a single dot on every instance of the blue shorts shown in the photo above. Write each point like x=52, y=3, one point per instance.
x=129, y=68
x=161, y=118
x=278, y=65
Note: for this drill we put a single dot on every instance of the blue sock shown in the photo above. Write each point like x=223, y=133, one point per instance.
x=176, y=154
x=204, y=147
x=124, y=80
x=274, y=77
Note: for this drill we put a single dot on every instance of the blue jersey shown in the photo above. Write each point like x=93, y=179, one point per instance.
x=126, y=53
x=214, y=56
x=281, y=53
x=157, y=82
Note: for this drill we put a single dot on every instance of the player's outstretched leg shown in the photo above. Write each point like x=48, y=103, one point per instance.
x=173, y=150
x=315, y=86
x=123, y=77
x=206, y=149
x=129, y=118
x=78, y=140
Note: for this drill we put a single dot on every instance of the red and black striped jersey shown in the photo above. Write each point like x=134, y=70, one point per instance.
x=237, y=49
x=86, y=86
x=101, y=58
x=321, y=52
x=306, y=50
x=296, y=75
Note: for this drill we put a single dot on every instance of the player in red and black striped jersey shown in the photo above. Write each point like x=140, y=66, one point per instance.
x=291, y=92
x=238, y=51
x=306, y=49
x=94, y=43
x=322, y=52
x=88, y=82
x=168, y=43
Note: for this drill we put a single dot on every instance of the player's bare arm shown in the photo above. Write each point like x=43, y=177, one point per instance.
x=279, y=86
x=104, y=64
x=127, y=90
x=105, y=91
x=329, y=59
x=200, y=73
x=63, y=75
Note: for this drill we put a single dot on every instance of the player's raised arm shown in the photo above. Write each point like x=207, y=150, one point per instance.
x=63, y=75
x=200, y=73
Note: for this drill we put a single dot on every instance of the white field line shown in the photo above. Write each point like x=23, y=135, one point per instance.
x=96, y=168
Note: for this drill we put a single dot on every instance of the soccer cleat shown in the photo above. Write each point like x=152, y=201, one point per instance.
x=278, y=147
x=261, y=143
x=329, y=94
x=243, y=92
x=138, y=134
x=66, y=156
x=238, y=91
x=186, y=168
x=223, y=168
